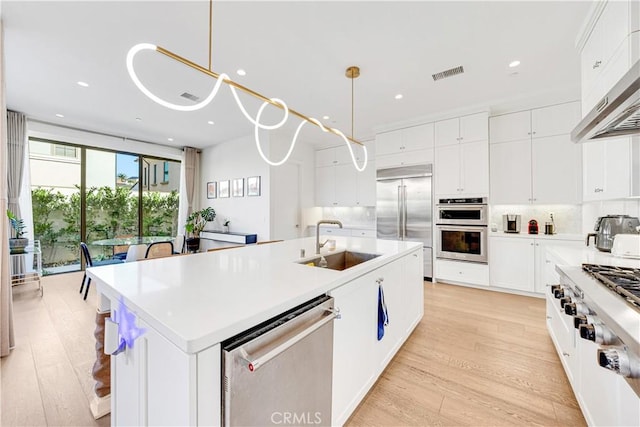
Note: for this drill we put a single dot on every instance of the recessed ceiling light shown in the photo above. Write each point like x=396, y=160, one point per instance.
x=325, y=117
x=59, y=115
x=241, y=72
x=399, y=96
x=211, y=122
x=170, y=139
x=514, y=64
x=83, y=84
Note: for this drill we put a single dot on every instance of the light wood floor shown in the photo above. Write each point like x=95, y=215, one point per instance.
x=46, y=380
x=477, y=358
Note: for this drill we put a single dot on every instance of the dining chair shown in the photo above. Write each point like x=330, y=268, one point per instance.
x=159, y=250
x=90, y=263
x=269, y=241
x=136, y=252
x=178, y=243
x=120, y=251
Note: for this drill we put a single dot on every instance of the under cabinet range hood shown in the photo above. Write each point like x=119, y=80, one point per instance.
x=617, y=114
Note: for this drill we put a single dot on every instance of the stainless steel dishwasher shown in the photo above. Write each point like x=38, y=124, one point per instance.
x=279, y=372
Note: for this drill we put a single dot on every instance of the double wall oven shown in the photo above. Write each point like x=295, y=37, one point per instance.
x=461, y=229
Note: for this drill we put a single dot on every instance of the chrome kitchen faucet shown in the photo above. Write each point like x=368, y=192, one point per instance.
x=324, y=221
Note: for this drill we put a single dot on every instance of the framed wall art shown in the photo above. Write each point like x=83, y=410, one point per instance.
x=237, y=187
x=212, y=190
x=223, y=189
x=253, y=186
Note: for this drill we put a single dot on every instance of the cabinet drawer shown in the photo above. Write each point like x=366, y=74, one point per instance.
x=334, y=231
x=363, y=233
x=462, y=272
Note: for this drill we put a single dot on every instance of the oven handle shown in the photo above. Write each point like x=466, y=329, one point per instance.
x=460, y=227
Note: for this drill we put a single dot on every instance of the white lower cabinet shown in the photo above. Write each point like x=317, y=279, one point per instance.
x=518, y=263
x=471, y=273
x=358, y=356
x=511, y=263
x=161, y=383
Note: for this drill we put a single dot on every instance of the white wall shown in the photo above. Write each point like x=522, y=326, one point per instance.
x=237, y=158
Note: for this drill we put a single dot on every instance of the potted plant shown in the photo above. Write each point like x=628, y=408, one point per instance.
x=195, y=224
x=17, y=244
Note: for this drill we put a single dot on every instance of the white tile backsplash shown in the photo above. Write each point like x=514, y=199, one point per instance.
x=352, y=217
x=567, y=218
x=592, y=210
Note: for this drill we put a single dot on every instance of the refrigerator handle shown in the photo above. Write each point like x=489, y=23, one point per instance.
x=404, y=212
x=400, y=208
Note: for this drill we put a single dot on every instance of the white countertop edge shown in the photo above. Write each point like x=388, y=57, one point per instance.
x=524, y=235
x=334, y=280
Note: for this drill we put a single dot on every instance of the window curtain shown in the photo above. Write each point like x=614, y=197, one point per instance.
x=7, y=340
x=190, y=172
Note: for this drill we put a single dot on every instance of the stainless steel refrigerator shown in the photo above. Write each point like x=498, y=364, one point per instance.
x=404, y=207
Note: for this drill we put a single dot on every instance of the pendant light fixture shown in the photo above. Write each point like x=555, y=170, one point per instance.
x=224, y=78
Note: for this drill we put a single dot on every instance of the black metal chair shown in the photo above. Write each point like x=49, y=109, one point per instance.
x=90, y=263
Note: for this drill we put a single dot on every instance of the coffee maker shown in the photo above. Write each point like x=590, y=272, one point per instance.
x=511, y=223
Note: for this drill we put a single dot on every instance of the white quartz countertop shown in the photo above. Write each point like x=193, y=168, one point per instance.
x=525, y=235
x=590, y=255
x=201, y=299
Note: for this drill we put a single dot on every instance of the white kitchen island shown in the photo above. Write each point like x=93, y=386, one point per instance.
x=190, y=304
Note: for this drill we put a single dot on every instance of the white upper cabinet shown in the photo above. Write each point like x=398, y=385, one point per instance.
x=511, y=172
x=338, y=183
x=533, y=159
x=462, y=156
x=409, y=146
x=408, y=139
x=463, y=129
x=447, y=132
x=556, y=120
x=510, y=127
x=608, y=50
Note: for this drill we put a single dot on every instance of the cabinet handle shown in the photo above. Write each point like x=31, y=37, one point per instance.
x=564, y=353
x=531, y=244
x=415, y=255
x=547, y=261
x=528, y=133
x=335, y=161
x=535, y=200
x=537, y=244
x=597, y=64
x=549, y=317
x=380, y=280
x=533, y=133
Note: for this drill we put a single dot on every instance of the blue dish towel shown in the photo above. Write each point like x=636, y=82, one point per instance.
x=383, y=314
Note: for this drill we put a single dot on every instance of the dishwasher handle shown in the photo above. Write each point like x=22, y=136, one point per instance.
x=254, y=364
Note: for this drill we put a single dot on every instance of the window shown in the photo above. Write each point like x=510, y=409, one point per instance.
x=155, y=174
x=165, y=178
x=66, y=178
x=65, y=151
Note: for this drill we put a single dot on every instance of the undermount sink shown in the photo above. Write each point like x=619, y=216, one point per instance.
x=340, y=260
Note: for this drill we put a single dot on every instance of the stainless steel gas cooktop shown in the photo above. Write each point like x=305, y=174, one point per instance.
x=624, y=281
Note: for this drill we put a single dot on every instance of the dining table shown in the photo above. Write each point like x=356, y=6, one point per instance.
x=122, y=241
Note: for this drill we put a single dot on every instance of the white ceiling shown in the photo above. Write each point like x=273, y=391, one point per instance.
x=296, y=51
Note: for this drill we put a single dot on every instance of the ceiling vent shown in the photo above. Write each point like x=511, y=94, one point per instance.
x=448, y=73
x=190, y=96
